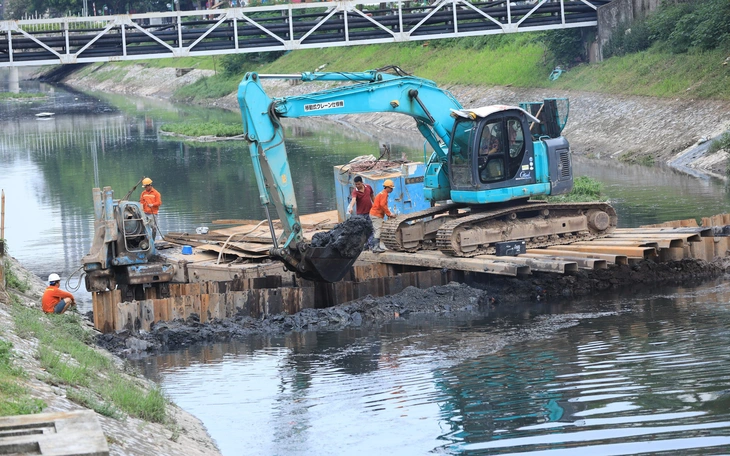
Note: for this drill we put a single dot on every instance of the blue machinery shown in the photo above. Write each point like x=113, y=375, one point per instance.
x=529, y=158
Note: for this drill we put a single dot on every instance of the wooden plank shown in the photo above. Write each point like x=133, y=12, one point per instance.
x=546, y=265
x=432, y=259
x=702, y=231
x=583, y=263
x=610, y=258
x=628, y=242
x=635, y=252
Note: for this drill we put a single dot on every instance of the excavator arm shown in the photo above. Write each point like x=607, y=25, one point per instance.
x=373, y=92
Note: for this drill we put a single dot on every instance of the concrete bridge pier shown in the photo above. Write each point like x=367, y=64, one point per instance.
x=14, y=80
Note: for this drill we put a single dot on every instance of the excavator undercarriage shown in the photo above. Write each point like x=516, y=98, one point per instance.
x=458, y=230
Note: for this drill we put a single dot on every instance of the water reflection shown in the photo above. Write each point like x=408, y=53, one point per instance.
x=542, y=380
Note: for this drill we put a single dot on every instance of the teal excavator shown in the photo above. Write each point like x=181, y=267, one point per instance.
x=486, y=164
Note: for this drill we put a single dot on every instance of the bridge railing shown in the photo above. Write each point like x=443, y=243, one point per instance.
x=276, y=28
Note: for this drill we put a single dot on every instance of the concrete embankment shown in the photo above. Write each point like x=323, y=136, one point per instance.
x=603, y=126
x=182, y=435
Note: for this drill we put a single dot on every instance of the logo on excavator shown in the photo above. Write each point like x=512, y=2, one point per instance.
x=326, y=105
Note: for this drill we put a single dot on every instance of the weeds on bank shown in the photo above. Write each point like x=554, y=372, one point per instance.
x=21, y=95
x=584, y=189
x=13, y=281
x=721, y=143
x=14, y=397
x=195, y=129
x=92, y=379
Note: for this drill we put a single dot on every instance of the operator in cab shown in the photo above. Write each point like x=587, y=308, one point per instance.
x=54, y=299
x=151, y=201
x=378, y=213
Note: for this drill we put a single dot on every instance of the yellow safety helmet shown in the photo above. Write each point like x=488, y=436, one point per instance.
x=146, y=181
x=388, y=183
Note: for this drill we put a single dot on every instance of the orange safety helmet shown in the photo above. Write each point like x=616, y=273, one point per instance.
x=388, y=183
x=146, y=181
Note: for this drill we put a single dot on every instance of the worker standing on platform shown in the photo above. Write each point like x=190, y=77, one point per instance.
x=378, y=213
x=54, y=299
x=363, y=198
x=151, y=201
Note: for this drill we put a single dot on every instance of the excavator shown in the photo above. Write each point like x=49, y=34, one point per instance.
x=486, y=164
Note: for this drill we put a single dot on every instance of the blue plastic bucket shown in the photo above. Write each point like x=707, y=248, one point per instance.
x=187, y=250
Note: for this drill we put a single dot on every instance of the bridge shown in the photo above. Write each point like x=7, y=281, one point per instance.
x=72, y=40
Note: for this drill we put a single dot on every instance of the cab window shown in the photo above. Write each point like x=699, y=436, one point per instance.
x=460, y=156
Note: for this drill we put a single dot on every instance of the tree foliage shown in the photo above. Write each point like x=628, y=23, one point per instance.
x=678, y=27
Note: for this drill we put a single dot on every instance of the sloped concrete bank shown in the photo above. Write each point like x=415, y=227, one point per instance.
x=601, y=126
x=185, y=435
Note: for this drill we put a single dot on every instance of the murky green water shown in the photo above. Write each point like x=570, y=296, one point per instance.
x=554, y=378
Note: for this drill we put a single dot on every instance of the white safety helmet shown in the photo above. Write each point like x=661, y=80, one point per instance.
x=54, y=278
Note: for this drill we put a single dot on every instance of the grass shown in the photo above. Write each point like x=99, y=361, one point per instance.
x=13, y=281
x=721, y=143
x=21, y=95
x=92, y=379
x=14, y=397
x=518, y=60
x=195, y=129
x=584, y=189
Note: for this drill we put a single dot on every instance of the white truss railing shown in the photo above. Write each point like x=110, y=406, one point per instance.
x=72, y=40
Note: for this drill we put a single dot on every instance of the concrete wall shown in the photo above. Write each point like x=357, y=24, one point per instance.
x=611, y=16
x=615, y=13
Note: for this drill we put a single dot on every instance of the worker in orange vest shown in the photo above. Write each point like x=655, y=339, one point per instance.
x=151, y=201
x=378, y=213
x=54, y=299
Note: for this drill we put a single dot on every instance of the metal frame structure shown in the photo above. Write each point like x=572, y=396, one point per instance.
x=71, y=40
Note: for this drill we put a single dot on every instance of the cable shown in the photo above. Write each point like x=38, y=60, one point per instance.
x=220, y=254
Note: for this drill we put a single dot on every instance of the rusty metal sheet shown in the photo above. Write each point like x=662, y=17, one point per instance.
x=625, y=242
x=583, y=263
x=433, y=259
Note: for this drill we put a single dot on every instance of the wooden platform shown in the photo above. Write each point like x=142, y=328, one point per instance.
x=226, y=277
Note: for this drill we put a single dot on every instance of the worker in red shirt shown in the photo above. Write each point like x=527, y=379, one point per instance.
x=363, y=198
x=54, y=299
x=151, y=201
x=378, y=213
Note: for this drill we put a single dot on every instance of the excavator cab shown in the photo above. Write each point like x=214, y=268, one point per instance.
x=494, y=159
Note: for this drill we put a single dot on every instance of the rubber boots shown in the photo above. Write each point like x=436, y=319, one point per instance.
x=376, y=246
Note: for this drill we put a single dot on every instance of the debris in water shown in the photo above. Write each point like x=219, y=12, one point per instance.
x=348, y=237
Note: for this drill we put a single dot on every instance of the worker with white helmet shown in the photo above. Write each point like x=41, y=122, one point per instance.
x=54, y=299
x=151, y=201
x=378, y=213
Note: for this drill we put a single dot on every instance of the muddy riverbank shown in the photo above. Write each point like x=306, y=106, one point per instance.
x=461, y=301
x=183, y=435
x=661, y=131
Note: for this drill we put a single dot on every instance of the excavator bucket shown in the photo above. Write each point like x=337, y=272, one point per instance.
x=331, y=253
x=326, y=264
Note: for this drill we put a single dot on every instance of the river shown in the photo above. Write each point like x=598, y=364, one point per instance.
x=618, y=373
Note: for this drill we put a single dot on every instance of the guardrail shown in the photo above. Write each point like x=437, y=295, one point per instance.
x=71, y=40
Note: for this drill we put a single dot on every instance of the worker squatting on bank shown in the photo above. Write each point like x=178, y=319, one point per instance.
x=151, y=201
x=54, y=299
x=378, y=213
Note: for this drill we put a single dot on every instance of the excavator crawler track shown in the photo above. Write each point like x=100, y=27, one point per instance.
x=539, y=224
x=417, y=230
